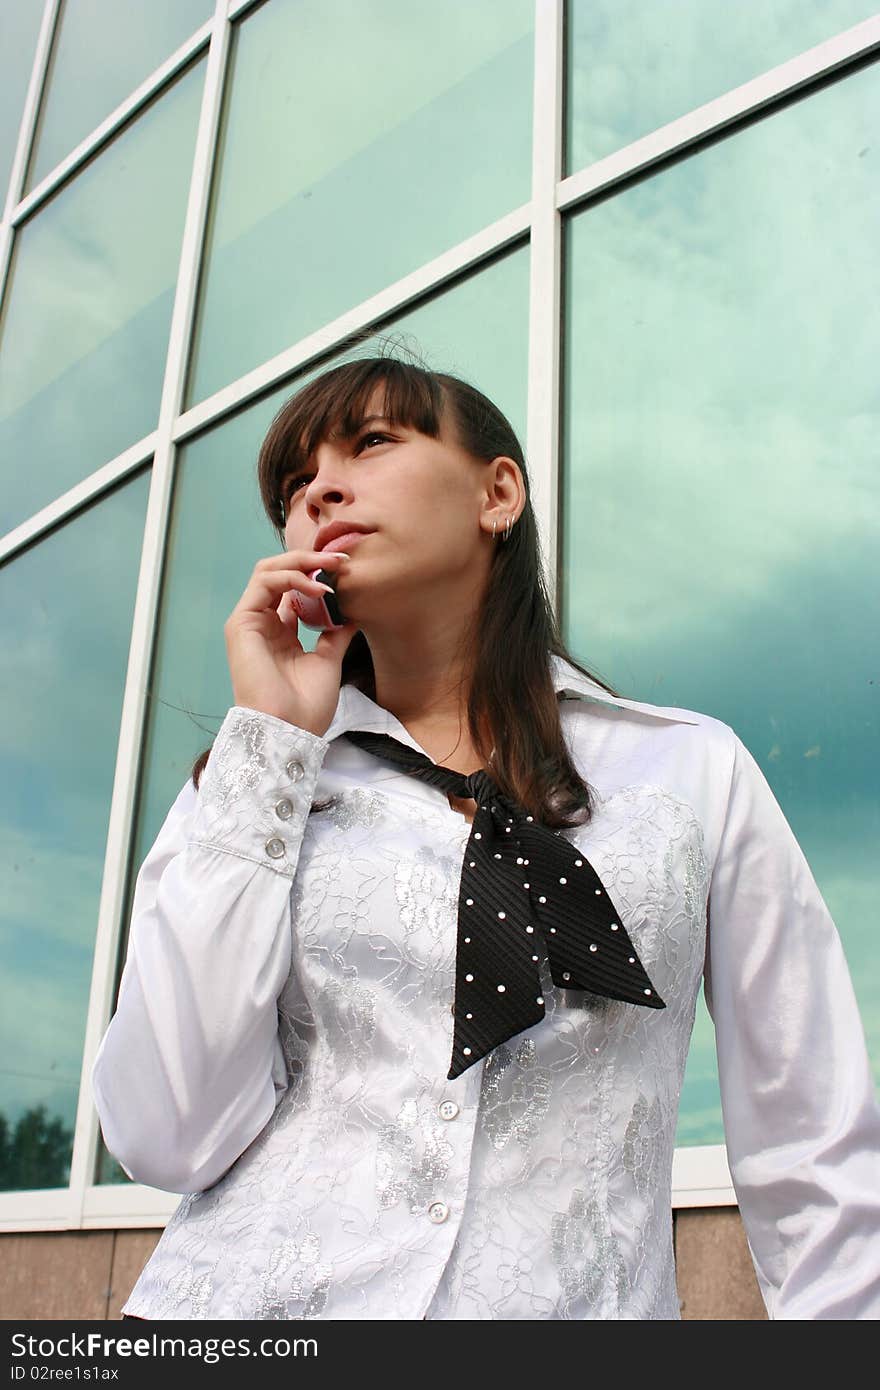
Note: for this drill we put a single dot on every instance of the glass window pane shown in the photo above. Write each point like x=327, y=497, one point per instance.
x=359, y=140
x=477, y=329
x=19, y=30
x=66, y=609
x=721, y=495
x=103, y=51
x=631, y=66
x=85, y=333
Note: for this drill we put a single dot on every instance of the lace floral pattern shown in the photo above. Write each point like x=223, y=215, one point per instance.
x=547, y=1192
x=256, y=788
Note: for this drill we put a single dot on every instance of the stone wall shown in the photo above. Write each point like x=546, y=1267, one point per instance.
x=85, y=1275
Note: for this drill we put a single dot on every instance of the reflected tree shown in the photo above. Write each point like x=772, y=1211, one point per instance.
x=35, y=1152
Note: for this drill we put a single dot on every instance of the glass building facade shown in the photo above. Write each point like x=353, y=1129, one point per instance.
x=647, y=231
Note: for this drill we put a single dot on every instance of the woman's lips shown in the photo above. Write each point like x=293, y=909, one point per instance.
x=343, y=542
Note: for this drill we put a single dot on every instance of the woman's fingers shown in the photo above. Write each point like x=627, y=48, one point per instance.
x=268, y=580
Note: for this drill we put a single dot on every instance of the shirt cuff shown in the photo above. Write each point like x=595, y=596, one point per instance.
x=256, y=789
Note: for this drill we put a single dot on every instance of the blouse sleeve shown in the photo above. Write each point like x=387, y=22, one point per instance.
x=191, y=1067
x=801, y=1118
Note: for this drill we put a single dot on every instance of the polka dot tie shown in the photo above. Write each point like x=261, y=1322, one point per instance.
x=525, y=893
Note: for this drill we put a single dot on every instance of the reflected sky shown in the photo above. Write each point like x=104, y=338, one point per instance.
x=66, y=610
x=88, y=307
x=102, y=52
x=721, y=504
x=633, y=65
x=336, y=180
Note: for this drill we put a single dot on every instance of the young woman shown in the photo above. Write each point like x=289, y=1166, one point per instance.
x=414, y=959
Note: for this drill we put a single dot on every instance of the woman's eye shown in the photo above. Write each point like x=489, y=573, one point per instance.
x=294, y=484
x=372, y=435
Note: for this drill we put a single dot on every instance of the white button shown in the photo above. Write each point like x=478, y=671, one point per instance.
x=295, y=770
x=275, y=847
x=284, y=808
x=448, y=1109
x=438, y=1211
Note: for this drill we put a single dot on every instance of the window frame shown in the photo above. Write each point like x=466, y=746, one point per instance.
x=701, y=1175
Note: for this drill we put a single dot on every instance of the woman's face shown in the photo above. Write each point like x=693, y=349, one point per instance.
x=428, y=506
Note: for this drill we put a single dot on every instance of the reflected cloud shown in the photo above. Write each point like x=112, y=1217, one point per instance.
x=632, y=68
x=721, y=509
x=65, y=611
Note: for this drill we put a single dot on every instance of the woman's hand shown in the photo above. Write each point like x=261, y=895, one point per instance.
x=270, y=669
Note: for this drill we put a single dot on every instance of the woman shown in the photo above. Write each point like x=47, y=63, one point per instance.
x=296, y=1046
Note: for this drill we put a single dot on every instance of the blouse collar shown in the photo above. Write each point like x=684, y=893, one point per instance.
x=355, y=710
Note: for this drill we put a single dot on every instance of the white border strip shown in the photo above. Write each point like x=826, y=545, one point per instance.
x=545, y=321
x=128, y=1205
x=46, y=1209
x=701, y=1177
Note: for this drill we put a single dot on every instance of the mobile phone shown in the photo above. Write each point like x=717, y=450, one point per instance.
x=319, y=610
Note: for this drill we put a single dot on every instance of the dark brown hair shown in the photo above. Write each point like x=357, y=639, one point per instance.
x=512, y=705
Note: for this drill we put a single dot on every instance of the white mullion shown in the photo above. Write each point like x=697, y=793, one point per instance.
x=701, y=1177
x=239, y=7
x=26, y=130
x=111, y=125
x=542, y=442
x=722, y=112
x=134, y=705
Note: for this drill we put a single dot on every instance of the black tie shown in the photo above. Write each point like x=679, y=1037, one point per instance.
x=526, y=892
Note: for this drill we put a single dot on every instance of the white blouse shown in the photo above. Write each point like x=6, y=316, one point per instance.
x=283, y=1033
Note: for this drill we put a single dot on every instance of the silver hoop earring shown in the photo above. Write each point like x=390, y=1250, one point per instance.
x=493, y=528
x=507, y=529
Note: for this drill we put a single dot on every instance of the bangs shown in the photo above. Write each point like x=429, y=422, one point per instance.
x=335, y=406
